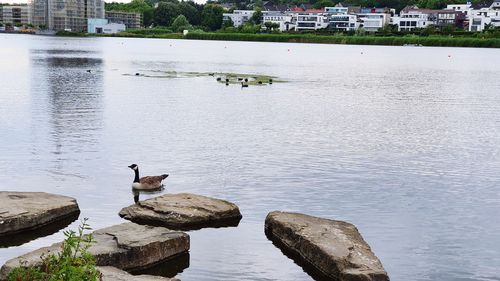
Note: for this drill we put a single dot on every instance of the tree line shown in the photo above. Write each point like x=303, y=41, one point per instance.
x=174, y=14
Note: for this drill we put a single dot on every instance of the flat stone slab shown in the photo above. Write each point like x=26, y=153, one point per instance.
x=127, y=246
x=334, y=248
x=109, y=273
x=23, y=211
x=183, y=211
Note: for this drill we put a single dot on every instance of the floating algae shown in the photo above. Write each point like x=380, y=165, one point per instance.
x=220, y=77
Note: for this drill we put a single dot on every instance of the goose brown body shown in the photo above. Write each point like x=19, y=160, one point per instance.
x=148, y=182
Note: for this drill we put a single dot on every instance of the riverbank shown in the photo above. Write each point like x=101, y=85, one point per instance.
x=443, y=41
x=415, y=40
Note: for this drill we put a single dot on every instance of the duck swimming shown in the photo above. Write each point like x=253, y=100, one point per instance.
x=146, y=183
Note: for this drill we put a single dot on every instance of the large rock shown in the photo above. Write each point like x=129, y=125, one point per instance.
x=183, y=211
x=127, y=246
x=109, y=273
x=22, y=211
x=334, y=248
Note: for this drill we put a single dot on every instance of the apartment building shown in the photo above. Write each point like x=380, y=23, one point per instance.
x=343, y=22
x=238, y=17
x=130, y=20
x=310, y=20
x=18, y=14
x=284, y=20
x=70, y=15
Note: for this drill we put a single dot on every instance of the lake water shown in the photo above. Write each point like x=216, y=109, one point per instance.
x=404, y=142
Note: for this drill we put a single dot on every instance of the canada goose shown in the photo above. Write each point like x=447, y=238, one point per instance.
x=146, y=183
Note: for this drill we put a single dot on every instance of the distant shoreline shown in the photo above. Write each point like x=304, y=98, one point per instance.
x=428, y=41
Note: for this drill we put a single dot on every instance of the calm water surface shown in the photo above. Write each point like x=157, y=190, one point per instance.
x=404, y=142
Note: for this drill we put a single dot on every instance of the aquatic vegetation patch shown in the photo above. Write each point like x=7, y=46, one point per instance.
x=226, y=78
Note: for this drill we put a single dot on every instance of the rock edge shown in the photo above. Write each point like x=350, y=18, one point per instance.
x=334, y=248
x=183, y=211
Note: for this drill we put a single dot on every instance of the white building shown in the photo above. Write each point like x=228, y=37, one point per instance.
x=480, y=18
x=310, y=21
x=372, y=22
x=464, y=8
x=412, y=19
x=238, y=17
x=101, y=26
x=285, y=20
x=344, y=22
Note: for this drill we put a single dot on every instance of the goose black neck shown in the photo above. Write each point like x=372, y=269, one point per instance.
x=136, y=179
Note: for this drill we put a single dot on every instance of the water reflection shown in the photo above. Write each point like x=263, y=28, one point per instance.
x=308, y=267
x=137, y=193
x=46, y=230
x=69, y=84
x=169, y=268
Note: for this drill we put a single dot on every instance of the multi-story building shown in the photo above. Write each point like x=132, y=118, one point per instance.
x=421, y=18
x=285, y=20
x=372, y=22
x=130, y=20
x=411, y=19
x=70, y=15
x=482, y=17
x=18, y=14
x=238, y=17
x=446, y=18
x=310, y=20
x=343, y=22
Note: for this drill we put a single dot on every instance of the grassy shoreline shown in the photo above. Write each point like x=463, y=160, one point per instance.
x=432, y=40
x=435, y=40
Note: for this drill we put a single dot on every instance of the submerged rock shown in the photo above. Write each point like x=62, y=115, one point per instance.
x=127, y=246
x=334, y=248
x=183, y=211
x=23, y=211
x=109, y=273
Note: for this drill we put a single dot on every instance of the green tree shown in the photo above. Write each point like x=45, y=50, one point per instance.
x=211, y=17
x=271, y=25
x=256, y=16
x=228, y=23
x=137, y=6
x=180, y=23
x=165, y=13
x=190, y=12
x=323, y=3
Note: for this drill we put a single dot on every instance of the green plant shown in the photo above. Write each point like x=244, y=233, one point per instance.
x=180, y=23
x=72, y=263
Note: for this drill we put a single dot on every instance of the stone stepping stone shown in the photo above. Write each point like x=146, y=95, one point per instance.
x=109, y=273
x=183, y=211
x=335, y=249
x=127, y=246
x=24, y=211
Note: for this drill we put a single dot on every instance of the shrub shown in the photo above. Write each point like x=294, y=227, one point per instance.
x=72, y=263
x=180, y=23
